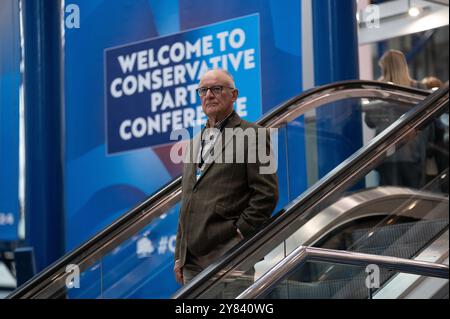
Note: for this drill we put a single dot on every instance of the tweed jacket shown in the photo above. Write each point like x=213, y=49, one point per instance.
x=226, y=197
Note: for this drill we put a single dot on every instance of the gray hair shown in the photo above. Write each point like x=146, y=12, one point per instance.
x=233, y=84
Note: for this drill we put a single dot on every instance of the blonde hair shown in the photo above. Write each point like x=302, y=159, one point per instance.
x=394, y=68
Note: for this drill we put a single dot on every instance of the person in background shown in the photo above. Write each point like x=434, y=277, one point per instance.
x=432, y=83
x=406, y=166
x=394, y=69
x=437, y=153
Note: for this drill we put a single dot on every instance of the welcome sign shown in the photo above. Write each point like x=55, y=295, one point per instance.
x=151, y=85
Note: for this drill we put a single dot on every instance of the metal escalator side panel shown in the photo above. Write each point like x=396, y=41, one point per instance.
x=409, y=286
x=302, y=255
x=377, y=202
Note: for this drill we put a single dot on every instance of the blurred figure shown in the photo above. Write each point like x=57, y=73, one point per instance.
x=394, y=69
x=432, y=83
x=406, y=166
x=440, y=148
x=437, y=152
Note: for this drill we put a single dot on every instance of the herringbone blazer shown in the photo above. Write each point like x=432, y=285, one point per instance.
x=226, y=197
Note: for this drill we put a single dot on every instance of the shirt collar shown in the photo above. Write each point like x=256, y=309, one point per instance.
x=222, y=122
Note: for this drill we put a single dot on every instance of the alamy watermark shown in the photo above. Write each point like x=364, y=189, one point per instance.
x=371, y=16
x=72, y=16
x=373, y=276
x=235, y=145
x=73, y=276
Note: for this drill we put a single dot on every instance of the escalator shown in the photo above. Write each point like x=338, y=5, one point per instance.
x=419, y=240
x=118, y=262
x=386, y=221
x=338, y=274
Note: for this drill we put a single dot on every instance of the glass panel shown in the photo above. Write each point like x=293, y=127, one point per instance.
x=283, y=171
x=395, y=220
x=318, y=280
x=85, y=284
x=320, y=140
x=142, y=266
x=90, y=284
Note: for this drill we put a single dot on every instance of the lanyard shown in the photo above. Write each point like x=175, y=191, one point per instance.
x=221, y=126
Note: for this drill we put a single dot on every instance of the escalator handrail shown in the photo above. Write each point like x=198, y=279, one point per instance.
x=303, y=254
x=337, y=86
x=329, y=185
x=135, y=214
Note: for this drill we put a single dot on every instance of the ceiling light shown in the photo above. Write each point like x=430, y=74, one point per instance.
x=413, y=12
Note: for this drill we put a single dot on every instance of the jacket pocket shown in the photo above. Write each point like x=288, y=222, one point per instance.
x=224, y=212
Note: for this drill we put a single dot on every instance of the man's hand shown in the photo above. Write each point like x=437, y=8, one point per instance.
x=178, y=273
x=239, y=234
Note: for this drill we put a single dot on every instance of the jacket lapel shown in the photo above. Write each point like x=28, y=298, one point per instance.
x=191, y=158
x=234, y=121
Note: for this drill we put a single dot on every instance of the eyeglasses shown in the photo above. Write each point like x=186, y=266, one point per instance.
x=215, y=90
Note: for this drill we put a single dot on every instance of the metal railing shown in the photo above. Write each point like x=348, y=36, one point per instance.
x=303, y=254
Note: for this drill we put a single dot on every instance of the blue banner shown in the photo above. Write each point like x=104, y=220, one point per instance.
x=115, y=80
x=266, y=66
x=9, y=119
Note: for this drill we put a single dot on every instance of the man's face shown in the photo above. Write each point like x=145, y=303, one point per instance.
x=217, y=105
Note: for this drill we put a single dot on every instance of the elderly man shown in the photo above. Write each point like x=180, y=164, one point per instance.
x=222, y=203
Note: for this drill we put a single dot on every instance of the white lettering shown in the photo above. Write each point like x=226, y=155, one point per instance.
x=142, y=60
x=156, y=78
x=192, y=69
x=139, y=127
x=176, y=120
x=240, y=35
x=122, y=131
x=193, y=49
x=180, y=96
x=167, y=102
x=167, y=77
x=161, y=59
x=249, y=59
x=127, y=63
x=241, y=106
x=156, y=100
x=114, y=92
x=144, y=82
x=235, y=60
x=129, y=85
x=177, y=52
x=222, y=39
x=179, y=74
x=153, y=124
x=207, y=45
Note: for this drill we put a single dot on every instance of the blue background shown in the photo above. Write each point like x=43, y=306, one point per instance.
x=9, y=116
x=99, y=188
